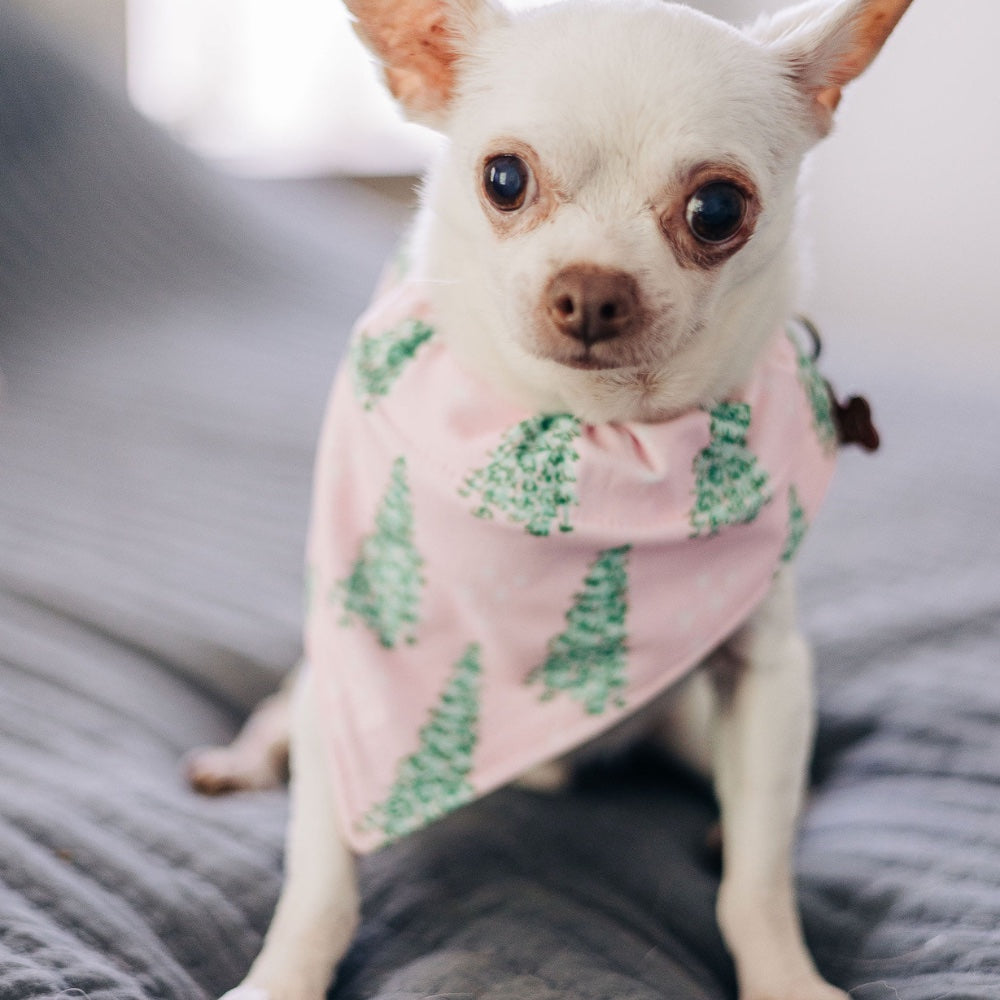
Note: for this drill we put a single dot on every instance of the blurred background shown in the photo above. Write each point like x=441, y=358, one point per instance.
x=900, y=216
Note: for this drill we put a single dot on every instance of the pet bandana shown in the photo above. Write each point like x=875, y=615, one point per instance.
x=489, y=588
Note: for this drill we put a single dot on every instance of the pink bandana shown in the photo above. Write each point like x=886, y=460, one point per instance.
x=490, y=588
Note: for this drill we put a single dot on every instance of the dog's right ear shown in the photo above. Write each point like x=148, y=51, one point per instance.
x=420, y=44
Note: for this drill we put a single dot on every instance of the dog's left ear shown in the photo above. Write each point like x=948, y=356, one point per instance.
x=420, y=44
x=828, y=44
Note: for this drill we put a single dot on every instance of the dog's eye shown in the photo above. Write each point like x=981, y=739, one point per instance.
x=716, y=212
x=506, y=180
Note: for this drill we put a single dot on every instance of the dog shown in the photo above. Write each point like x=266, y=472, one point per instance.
x=571, y=455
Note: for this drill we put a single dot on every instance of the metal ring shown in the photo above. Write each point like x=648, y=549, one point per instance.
x=810, y=327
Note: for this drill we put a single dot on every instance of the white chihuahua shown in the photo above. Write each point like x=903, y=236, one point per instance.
x=572, y=453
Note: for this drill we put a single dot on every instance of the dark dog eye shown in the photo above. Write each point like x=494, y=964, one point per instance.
x=505, y=180
x=716, y=212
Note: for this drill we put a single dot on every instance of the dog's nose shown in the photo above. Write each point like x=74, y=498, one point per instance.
x=590, y=303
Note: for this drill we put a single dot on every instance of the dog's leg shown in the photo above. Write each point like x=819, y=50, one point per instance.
x=317, y=913
x=763, y=739
x=257, y=758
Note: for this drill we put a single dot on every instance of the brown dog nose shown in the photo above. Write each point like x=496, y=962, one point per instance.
x=590, y=303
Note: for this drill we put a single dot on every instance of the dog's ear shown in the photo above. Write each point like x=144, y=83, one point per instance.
x=828, y=44
x=419, y=44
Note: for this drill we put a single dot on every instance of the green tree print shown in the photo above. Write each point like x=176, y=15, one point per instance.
x=434, y=781
x=818, y=393
x=588, y=659
x=797, y=526
x=531, y=474
x=730, y=485
x=377, y=361
x=384, y=586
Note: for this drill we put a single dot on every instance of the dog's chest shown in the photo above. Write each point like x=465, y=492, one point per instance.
x=490, y=588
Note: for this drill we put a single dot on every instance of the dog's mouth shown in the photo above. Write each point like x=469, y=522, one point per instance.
x=605, y=356
x=587, y=360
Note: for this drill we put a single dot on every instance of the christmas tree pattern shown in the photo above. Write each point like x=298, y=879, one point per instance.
x=818, y=393
x=434, y=780
x=530, y=476
x=384, y=586
x=377, y=361
x=797, y=526
x=588, y=659
x=730, y=485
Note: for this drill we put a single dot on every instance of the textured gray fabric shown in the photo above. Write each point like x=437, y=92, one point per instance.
x=166, y=340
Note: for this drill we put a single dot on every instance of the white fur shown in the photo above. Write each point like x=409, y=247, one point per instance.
x=616, y=103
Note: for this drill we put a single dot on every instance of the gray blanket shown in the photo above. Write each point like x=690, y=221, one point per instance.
x=166, y=341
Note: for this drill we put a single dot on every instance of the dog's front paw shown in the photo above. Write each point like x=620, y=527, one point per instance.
x=247, y=992
x=292, y=989
x=806, y=988
x=218, y=770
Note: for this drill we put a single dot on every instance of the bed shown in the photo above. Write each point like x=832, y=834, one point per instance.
x=167, y=337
